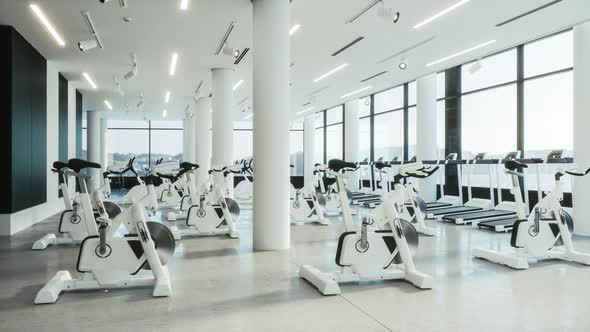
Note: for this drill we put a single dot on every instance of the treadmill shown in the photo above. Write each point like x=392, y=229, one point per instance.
x=504, y=209
x=473, y=204
x=444, y=201
x=506, y=224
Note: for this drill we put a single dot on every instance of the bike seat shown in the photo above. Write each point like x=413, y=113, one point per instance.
x=77, y=165
x=59, y=165
x=381, y=165
x=514, y=165
x=188, y=166
x=337, y=165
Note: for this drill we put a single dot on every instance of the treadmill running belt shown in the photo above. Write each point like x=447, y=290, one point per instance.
x=501, y=225
x=453, y=210
x=436, y=205
x=479, y=215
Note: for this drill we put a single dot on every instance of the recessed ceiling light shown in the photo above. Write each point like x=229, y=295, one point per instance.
x=294, y=29
x=442, y=13
x=164, y=113
x=305, y=111
x=167, y=97
x=238, y=85
x=41, y=16
x=461, y=53
x=403, y=63
x=355, y=92
x=173, y=63
x=342, y=66
x=89, y=79
x=106, y=102
x=184, y=4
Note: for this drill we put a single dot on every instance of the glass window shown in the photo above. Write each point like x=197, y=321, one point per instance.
x=441, y=86
x=389, y=100
x=364, y=107
x=167, y=124
x=243, y=144
x=124, y=144
x=334, y=142
x=489, y=125
x=549, y=54
x=167, y=144
x=296, y=149
x=334, y=115
x=319, y=145
x=412, y=93
x=441, y=128
x=319, y=119
x=411, y=132
x=128, y=124
x=84, y=144
x=496, y=69
x=364, y=139
x=389, y=135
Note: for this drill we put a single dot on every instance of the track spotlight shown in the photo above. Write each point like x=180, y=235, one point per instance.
x=231, y=51
x=475, y=67
x=86, y=45
x=133, y=72
x=403, y=63
x=388, y=14
x=104, y=1
x=140, y=101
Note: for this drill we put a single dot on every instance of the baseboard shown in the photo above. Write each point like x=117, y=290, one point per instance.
x=16, y=222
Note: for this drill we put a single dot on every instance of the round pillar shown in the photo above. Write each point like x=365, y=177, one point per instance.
x=351, y=139
x=426, y=148
x=93, y=147
x=271, y=124
x=202, y=121
x=308, y=148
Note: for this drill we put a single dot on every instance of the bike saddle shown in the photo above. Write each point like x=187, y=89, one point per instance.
x=514, y=165
x=77, y=165
x=59, y=165
x=189, y=166
x=337, y=165
x=381, y=165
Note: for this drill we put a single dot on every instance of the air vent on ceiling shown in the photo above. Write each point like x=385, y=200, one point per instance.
x=363, y=11
x=347, y=46
x=372, y=77
x=318, y=91
x=306, y=104
x=242, y=55
x=529, y=13
x=231, y=27
x=406, y=50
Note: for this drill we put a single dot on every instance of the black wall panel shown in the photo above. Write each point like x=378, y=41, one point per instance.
x=26, y=114
x=79, y=102
x=63, y=119
x=452, y=125
x=5, y=116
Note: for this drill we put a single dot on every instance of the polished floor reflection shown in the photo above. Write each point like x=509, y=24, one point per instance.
x=221, y=284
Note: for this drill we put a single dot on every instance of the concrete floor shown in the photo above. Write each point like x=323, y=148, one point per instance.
x=222, y=285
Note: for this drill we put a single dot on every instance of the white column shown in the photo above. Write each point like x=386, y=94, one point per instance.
x=93, y=146
x=188, y=140
x=52, y=129
x=581, y=191
x=351, y=139
x=271, y=124
x=426, y=148
x=223, y=122
x=104, y=141
x=202, y=120
x=308, y=148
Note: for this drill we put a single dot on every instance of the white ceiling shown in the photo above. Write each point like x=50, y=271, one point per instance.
x=159, y=28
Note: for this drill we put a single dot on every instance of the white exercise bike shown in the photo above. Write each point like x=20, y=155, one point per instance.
x=307, y=206
x=545, y=234
x=367, y=253
x=108, y=261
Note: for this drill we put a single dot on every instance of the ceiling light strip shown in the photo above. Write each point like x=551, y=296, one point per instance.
x=442, y=13
x=41, y=16
x=355, y=92
x=237, y=85
x=342, y=66
x=347, y=46
x=305, y=111
x=529, y=13
x=184, y=4
x=89, y=80
x=461, y=53
x=173, y=64
x=167, y=97
x=106, y=102
x=294, y=29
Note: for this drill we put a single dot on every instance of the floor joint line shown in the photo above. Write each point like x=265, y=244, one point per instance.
x=366, y=313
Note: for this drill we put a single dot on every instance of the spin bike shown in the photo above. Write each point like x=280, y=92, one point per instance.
x=307, y=206
x=74, y=226
x=545, y=234
x=367, y=253
x=109, y=261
